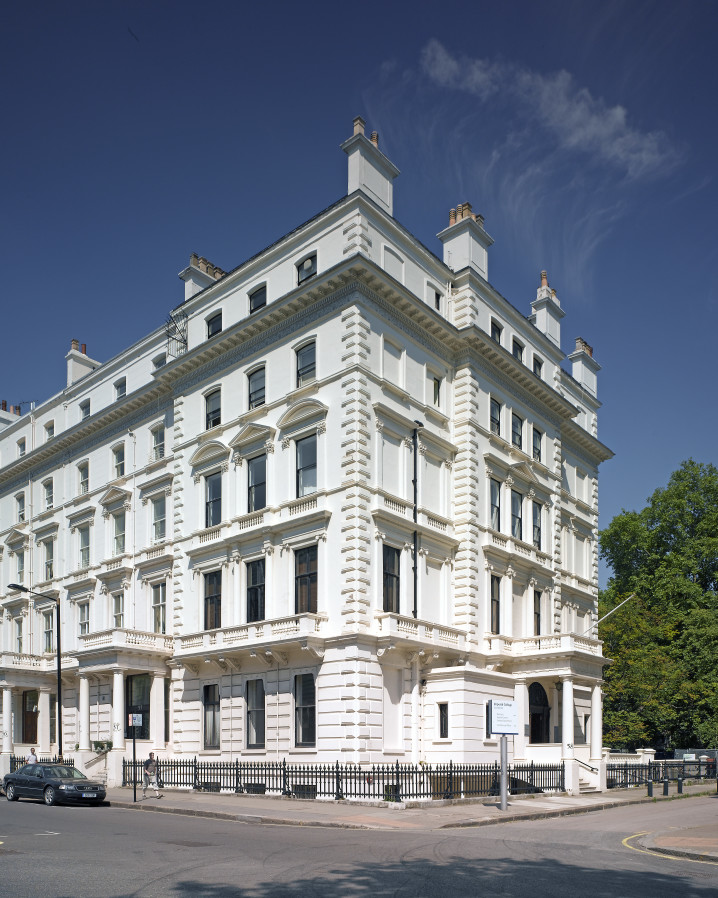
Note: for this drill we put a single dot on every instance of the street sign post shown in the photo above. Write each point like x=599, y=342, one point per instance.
x=134, y=721
x=503, y=721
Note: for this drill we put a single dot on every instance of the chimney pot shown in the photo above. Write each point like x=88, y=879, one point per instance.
x=83, y=349
x=193, y=259
x=359, y=125
x=544, y=279
x=3, y=405
x=452, y=216
x=375, y=138
x=75, y=344
x=582, y=345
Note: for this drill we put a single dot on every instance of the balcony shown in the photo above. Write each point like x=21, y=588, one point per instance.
x=419, y=631
x=541, y=646
x=504, y=546
x=151, y=643
x=37, y=663
x=258, y=634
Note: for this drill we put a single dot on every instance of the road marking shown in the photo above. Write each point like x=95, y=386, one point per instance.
x=670, y=857
x=48, y=833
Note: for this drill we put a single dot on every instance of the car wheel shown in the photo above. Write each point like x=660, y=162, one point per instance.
x=50, y=796
x=10, y=792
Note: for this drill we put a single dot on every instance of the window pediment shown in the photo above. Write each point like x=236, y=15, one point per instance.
x=115, y=496
x=16, y=539
x=524, y=471
x=252, y=433
x=211, y=451
x=301, y=411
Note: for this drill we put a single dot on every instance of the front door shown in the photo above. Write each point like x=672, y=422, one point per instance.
x=29, y=717
x=539, y=713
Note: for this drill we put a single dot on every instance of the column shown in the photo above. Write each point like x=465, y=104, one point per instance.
x=118, y=710
x=596, y=724
x=84, y=714
x=521, y=697
x=43, y=722
x=157, y=712
x=567, y=719
x=7, y=720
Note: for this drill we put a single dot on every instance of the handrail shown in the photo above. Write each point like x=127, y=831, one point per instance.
x=587, y=766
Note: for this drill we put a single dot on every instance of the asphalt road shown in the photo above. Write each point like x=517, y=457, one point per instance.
x=103, y=851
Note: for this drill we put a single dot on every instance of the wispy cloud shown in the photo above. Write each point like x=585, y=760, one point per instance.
x=552, y=167
x=576, y=119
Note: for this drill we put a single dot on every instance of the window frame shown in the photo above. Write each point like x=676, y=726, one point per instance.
x=48, y=487
x=537, y=520
x=21, y=447
x=495, y=416
x=120, y=388
x=495, y=504
x=212, y=602
x=536, y=444
x=517, y=431
x=48, y=633
x=83, y=473
x=214, y=324
x=213, y=408
x=256, y=396
x=306, y=272
x=83, y=550
x=159, y=503
x=537, y=596
x=261, y=292
x=118, y=461
x=85, y=408
x=517, y=518
x=158, y=442
x=443, y=720
x=159, y=607
x=211, y=717
x=212, y=503
x=256, y=489
x=537, y=366
x=496, y=331
x=49, y=430
x=20, y=508
x=391, y=579
x=517, y=350
x=118, y=610
x=306, y=372
x=495, y=609
x=256, y=713
x=119, y=536
x=302, y=469
x=306, y=582
x=83, y=618
x=256, y=610
x=437, y=384
x=305, y=711
x=49, y=561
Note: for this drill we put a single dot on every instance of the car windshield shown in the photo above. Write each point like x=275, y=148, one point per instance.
x=62, y=772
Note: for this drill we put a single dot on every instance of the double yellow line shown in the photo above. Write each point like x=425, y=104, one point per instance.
x=674, y=857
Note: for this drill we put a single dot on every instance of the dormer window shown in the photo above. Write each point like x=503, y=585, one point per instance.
x=496, y=331
x=84, y=409
x=538, y=366
x=258, y=298
x=214, y=325
x=517, y=350
x=307, y=268
x=21, y=448
x=49, y=430
x=121, y=388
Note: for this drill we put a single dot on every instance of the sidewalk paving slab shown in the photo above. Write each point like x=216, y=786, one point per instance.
x=696, y=842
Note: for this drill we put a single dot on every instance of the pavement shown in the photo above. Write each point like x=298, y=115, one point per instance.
x=696, y=843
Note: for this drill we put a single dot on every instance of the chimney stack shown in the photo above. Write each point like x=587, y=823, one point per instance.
x=369, y=170
x=75, y=344
x=83, y=349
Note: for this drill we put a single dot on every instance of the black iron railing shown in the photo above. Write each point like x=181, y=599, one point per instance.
x=17, y=761
x=623, y=775
x=387, y=782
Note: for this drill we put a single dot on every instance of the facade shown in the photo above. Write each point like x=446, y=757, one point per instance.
x=344, y=499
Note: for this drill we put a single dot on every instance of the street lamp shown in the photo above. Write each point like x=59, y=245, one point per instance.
x=58, y=647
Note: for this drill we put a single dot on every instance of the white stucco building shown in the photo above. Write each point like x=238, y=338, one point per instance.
x=229, y=515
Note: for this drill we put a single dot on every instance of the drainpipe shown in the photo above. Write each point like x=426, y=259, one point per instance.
x=415, y=482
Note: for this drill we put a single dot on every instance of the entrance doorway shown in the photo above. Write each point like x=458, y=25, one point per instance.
x=539, y=714
x=29, y=717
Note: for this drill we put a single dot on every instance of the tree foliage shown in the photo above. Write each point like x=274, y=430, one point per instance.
x=662, y=688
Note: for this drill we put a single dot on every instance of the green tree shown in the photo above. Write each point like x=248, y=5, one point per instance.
x=662, y=688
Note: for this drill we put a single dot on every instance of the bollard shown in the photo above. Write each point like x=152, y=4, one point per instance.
x=665, y=785
x=650, y=788
x=680, y=785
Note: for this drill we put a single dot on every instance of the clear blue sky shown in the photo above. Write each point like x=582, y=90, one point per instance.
x=586, y=133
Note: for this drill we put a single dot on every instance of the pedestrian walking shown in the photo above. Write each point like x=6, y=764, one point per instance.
x=31, y=757
x=150, y=777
